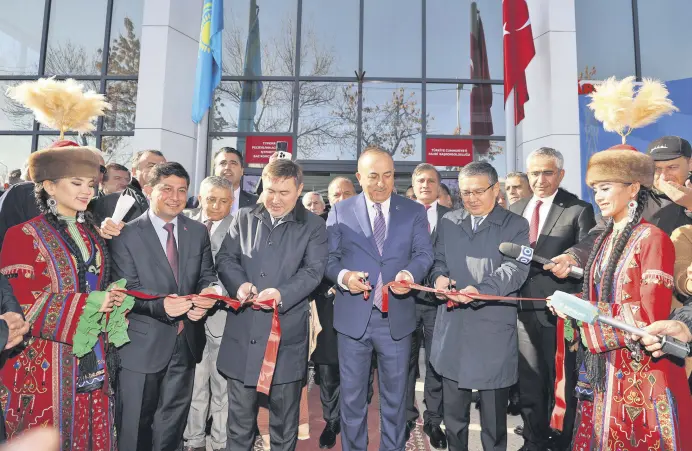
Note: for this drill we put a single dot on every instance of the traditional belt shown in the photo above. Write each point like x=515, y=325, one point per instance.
x=264, y=382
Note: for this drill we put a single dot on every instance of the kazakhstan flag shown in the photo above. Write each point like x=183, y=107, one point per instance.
x=209, y=57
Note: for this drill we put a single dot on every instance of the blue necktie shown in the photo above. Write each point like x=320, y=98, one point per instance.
x=380, y=231
x=476, y=222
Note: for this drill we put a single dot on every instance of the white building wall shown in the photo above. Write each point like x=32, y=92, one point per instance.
x=170, y=40
x=552, y=113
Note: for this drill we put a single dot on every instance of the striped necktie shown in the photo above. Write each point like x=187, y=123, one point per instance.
x=380, y=232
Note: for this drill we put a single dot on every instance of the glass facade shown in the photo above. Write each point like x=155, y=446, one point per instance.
x=96, y=42
x=339, y=76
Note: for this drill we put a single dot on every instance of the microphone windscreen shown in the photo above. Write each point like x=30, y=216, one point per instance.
x=574, y=307
x=510, y=249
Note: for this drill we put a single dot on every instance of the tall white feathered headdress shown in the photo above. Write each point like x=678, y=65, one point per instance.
x=62, y=105
x=616, y=105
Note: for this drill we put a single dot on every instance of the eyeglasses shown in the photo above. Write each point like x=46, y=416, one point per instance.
x=103, y=169
x=477, y=193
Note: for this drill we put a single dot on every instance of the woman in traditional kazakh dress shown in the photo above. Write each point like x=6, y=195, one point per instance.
x=627, y=399
x=58, y=267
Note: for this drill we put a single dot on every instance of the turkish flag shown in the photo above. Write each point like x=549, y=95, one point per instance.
x=481, y=95
x=519, y=51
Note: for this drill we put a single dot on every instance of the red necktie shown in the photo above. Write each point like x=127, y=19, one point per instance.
x=427, y=207
x=172, y=255
x=535, y=221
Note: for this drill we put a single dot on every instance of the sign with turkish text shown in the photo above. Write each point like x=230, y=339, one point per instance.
x=448, y=151
x=258, y=149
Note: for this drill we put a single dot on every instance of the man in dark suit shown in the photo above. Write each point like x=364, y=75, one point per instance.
x=142, y=164
x=557, y=221
x=325, y=355
x=228, y=163
x=209, y=395
x=165, y=253
x=475, y=342
x=379, y=237
x=426, y=187
x=276, y=250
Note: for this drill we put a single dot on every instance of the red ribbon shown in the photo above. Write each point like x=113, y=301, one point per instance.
x=264, y=382
x=450, y=304
x=557, y=418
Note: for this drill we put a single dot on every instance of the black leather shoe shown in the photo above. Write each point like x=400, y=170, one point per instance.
x=438, y=439
x=519, y=430
x=328, y=436
x=410, y=425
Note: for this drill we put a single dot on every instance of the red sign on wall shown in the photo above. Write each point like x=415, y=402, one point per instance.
x=258, y=149
x=448, y=151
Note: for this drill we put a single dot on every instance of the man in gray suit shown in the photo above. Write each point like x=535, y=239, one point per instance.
x=167, y=254
x=275, y=250
x=228, y=163
x=475, y=343
x=209, y=397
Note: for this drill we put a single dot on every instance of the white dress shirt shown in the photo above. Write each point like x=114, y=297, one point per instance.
x=473, y=219
x=432, y=216
x=543, y=212
x=158, y=224
x=372, y=212
x=236, y=200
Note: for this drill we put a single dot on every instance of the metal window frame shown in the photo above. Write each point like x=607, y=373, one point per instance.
x=635, y=36
x=326, y=166
x=103, y=78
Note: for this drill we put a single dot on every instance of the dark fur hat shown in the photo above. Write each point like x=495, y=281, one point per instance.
x=621, y=163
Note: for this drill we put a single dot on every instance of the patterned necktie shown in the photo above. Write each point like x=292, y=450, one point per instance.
x=208, y=223
x=427, y=207
x=172, y=255
x=533, y=226
x=380, y=232
x=476, y=222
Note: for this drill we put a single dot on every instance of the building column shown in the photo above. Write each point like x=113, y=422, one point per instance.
x=552, y=112
x=170, y=40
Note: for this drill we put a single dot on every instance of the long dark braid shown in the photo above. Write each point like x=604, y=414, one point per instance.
x=595, y=364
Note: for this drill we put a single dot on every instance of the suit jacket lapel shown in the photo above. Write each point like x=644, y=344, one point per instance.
x=466, y=224
x=222, y=228
x=554, y=213
x=519, y=206
x=396, y=215
x=441, y=211
x=151, y=239
x=361, y=211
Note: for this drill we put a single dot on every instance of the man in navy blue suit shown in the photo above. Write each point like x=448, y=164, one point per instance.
x=381, y=238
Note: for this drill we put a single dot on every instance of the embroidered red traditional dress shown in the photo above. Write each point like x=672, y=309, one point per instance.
x=646, y=404
x=38, y=387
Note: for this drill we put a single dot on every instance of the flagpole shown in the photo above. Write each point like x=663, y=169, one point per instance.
x=510, y=134
x=200, y=154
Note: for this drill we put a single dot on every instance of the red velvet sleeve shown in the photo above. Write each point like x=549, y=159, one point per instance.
x=655, y=259
x=53, y=315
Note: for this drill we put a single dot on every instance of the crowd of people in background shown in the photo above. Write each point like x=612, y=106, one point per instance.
x=166, y=365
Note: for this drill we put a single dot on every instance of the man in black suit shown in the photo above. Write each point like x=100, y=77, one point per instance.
x=165, y=253
x=274, y=250
x=228, y=163
x=142, y=164
x=557, y=220
x=426, y=188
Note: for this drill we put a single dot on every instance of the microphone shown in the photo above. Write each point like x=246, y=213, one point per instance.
x=525, y=255
x=585, y=312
